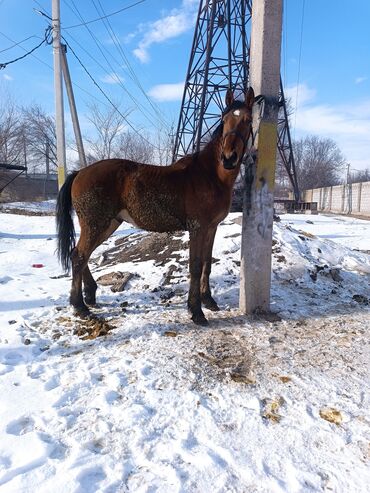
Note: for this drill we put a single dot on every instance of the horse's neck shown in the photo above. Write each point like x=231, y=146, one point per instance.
x=211, y=154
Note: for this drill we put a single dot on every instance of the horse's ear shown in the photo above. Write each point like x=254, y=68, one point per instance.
x=229, y=99
x=249, y=97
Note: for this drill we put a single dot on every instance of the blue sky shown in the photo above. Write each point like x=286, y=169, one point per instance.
x=156, y=36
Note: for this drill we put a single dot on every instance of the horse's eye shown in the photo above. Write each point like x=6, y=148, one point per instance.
x=236, y=112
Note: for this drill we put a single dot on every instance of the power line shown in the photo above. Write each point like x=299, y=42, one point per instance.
x=76, y=11
x=117, y=77
x=106, y=16
x=78, y=14
x=39, y=4
x=131, y=71
x=46, y=40
x=52, y=69
x=18, y=43
x=108, y=98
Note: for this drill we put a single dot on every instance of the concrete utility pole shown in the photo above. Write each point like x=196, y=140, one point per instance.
x=72, y=106
x=258, y=208
x=58, y=88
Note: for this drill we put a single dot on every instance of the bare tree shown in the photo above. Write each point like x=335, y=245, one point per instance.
x=131, y=145
x=165, y=145
x=40, y=137
x=113, y=138
x=319, y=162
x=11, y=133
x=359, y=176
x=107, y=124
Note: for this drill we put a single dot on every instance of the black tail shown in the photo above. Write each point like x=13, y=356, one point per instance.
x=65, y=228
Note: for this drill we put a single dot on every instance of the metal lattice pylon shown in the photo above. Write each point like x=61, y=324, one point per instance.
x=219, y=60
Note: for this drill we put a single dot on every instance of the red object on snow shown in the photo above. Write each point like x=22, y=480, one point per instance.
x=38, y=266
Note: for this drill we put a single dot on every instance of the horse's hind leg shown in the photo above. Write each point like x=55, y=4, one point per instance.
x=79, y=263
x=90, y=287
x=205, y=290
x=90, y=238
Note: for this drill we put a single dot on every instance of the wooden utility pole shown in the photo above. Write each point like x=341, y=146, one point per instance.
x=58, y=88
x=72, y=107
x=258, y=208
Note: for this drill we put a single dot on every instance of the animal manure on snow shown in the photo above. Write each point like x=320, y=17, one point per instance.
x=92, y=328
x=332, y=415
x=170, y=333
x=271, y=408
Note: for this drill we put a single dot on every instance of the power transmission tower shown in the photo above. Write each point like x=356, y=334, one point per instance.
x=219, y=60
x=285, y=144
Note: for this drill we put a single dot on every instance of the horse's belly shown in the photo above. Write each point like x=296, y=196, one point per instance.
x=154, y=217
x=124, y=215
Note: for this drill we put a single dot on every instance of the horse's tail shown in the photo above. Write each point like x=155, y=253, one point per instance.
x=66, y=236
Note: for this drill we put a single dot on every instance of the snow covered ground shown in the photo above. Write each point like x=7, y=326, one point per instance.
x=159, y=404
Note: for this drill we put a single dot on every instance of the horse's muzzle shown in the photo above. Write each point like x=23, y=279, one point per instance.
x=230, y=162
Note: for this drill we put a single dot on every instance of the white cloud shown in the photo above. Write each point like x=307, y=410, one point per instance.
x=7, y=77
x=178, y=21
x=359, y=80
x=304, y=93
x=112, y=78
x=347, y=124
x=167, y=92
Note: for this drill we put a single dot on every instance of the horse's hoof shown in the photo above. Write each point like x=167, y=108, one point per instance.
x=210, y=304
x=82, y=312
x=91, y=301
x=200, y=320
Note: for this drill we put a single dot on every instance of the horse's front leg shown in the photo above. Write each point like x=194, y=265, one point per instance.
x=205, y=290
x=195, y=266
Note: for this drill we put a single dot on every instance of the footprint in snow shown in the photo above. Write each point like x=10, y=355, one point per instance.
x=20, y=426
x=89, y=479
x=57, y=449
x=111, y=396
x=5, y=462
x=13, y=358
x=146, y=371
x=52, y=383
x=5, y=279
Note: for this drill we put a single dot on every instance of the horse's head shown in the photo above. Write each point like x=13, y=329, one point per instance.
x=237, y=125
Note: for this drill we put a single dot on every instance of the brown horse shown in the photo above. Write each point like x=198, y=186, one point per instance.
x=192, y=194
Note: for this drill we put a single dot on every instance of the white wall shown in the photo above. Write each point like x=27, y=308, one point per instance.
x=344, y=199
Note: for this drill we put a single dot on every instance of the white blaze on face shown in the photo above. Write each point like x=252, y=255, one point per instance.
x=236, y=112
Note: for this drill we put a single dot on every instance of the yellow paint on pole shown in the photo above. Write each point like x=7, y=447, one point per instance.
x=61, y=176
x=267, y=137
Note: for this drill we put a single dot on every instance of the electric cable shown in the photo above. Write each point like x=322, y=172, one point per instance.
x=108, y=98
x=105, y=16
x=18, y=43
x=47, y=40
x=131, y=71
x=98, y=45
